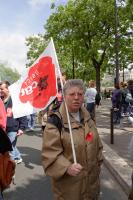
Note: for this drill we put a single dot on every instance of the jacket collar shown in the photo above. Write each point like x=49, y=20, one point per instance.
x=85, y=116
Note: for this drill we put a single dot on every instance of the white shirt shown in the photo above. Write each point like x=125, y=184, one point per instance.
x=90, y=95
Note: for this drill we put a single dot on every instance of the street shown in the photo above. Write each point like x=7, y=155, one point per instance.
x=30, y=182
x=110, y=189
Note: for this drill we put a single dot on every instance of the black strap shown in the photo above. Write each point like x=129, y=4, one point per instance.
x=55, y=120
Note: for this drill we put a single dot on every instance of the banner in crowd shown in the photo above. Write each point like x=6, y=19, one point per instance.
x=37, y=87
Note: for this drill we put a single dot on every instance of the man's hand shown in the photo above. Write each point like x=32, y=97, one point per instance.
x=74, y=169
x=20, y=132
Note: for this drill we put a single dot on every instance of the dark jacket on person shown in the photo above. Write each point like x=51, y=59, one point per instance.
x=116, y=98
x=12, y=123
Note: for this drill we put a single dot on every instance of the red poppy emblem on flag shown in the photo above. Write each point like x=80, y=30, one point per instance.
x=40, y=83
x=89, y=136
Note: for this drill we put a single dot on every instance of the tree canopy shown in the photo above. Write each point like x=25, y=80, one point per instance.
x=8, y=74
x=83, y=32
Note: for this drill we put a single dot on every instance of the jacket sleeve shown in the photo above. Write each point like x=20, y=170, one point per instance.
x=53, y=160
x=100, y=154
x=23, y=123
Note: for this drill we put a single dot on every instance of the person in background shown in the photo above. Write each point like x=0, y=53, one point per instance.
x=59, y=97
x=71, y=180
x=130, y=91
x=117, y=104
x=63, y=77
x=14, y=127
x=31, y=122
x=130, y=86
x=90, y=96
x=124, y=104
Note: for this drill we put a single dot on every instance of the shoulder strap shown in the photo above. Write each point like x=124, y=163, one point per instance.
x=55, y=120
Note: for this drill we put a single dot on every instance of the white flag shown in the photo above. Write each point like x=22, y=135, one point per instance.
x=37, y=88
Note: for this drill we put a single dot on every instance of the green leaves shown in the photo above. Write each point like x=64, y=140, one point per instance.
x=36, y=46
x=83, y=33
x=6, y=73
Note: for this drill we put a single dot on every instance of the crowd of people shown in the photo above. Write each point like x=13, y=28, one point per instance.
x=72, y=149
x=122, y=101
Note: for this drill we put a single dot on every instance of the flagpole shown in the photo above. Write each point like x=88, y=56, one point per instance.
x=68, y=117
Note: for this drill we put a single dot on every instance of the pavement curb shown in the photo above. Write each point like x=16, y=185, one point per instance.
x=118, y=167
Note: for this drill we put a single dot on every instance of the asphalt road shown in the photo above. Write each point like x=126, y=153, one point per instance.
x=32, y=184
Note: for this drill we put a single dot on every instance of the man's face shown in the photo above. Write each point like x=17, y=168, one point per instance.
x=74, y=98
x=4, y=90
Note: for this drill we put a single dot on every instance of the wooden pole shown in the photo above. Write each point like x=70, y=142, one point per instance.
x=68, y=117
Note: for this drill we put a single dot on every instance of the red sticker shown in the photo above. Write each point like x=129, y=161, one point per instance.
x=89, y=136
x=40, y=84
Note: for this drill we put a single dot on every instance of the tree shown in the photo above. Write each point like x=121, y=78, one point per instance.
x=86, y=27
x=8, y=74
x=83, y=33
x=36, y=45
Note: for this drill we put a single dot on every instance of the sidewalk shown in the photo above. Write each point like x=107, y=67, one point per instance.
x=116, y=155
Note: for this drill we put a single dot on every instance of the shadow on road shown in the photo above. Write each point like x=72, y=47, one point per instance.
x=36, y=132
x=37, y=189
x=29, y=160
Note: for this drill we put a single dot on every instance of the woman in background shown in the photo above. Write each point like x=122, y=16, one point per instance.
x=90, y=96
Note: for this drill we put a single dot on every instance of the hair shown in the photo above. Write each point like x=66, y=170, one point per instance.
x=130, y=82
x=63, y=72
x=121, y=84
x=6, y=83
x=130, y=86
x=73, y=83
x=92, y=83
x=117, y=86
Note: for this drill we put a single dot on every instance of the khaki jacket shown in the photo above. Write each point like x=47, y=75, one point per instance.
x=131, y=194
x=57, y=156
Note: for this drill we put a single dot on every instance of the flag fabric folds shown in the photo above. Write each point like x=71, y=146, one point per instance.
x=37, y=87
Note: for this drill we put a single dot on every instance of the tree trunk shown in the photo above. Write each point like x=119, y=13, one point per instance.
x=98, y=82
x=97, y=67
x=73, y=64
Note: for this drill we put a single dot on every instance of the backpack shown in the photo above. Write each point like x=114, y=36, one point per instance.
x=7, y=170
x=7, y=166
x=5, y=143
x=128, y=97
x=55, y=120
